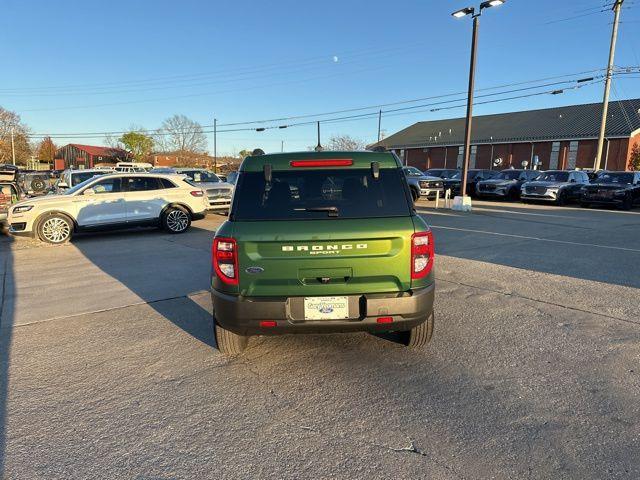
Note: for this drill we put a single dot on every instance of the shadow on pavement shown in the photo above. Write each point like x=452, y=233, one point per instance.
x=6, y=335
x=164, y=271
x=595, y=245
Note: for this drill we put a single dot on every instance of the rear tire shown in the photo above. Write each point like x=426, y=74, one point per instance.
x=562, y=199
x=419, y=336
x=176, y=220
x=227, y=342
x=627, y=204
x=415, y=195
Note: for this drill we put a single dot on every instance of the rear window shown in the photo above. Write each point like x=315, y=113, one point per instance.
x=320, y=194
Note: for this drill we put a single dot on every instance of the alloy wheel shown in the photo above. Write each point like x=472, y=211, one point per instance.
x=56, y=230
x=177, y=220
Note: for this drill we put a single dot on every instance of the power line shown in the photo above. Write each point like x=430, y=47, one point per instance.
x=369, y=107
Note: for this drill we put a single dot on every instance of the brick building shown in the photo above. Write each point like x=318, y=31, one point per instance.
x=562, y=138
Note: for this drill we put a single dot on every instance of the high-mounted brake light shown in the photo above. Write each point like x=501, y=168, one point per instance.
x=329, y=162
x=422, y=254
x=196, y=193
x=225, y=260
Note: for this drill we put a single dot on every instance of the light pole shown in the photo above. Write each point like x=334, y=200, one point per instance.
x=463, y=202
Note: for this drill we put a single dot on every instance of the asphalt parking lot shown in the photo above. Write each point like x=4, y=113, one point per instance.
x=107, y=368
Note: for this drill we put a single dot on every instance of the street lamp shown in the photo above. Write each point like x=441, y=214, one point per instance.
x=463, y=202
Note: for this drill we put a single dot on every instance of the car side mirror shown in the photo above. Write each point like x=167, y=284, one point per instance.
x=89, y=191
x=63, y=185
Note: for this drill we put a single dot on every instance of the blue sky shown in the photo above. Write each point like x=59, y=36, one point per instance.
x=88, y=66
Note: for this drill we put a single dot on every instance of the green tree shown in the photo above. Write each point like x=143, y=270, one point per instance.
x=244, y=153
x=139, y=144
x=634, y=160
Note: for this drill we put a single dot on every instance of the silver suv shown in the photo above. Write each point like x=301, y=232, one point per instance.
x=219, y=193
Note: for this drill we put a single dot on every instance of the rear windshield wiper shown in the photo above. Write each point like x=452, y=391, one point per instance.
x=332, y=211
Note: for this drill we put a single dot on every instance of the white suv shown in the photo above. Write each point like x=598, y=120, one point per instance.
x=114, y=200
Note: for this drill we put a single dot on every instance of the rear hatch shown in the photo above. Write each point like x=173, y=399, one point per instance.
x=322, y=231
x=324, y=257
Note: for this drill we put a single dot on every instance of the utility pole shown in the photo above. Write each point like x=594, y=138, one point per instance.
x=281, y=146
x=13, y=147
x=215, y=146
x=617, y=6
x=379, y=124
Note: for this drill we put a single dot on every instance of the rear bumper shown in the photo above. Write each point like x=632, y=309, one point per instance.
x=243, y=315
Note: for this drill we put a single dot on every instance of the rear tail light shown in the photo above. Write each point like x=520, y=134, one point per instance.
x=196, y=193
x=268, y=324
x=422, y=253
x=225, y=260
x=384, y=320
x=329, y=162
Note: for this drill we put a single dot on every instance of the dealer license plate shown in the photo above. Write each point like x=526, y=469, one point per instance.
x=326, y=308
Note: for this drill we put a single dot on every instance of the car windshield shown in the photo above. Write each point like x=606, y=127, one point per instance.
x=201, y=176
x=554, y=177
x=79, y=186
x=622, y=178
x=321, y=194
x=78, y=178
x=508, y=175
x=413, y=171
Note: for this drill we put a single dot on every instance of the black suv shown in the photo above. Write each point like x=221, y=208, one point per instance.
x=473, y=177
x=559, y=186
x=621, y=189
x=443, y=173
x=506, y=184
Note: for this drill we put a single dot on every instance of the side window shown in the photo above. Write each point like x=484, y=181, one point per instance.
x=167, y=183
x=142, y=184
x=108, y=185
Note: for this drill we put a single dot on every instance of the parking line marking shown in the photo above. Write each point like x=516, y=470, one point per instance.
x=524, y=237
x=481, y=209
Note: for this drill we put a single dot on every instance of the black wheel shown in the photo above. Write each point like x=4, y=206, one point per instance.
x=562, y=198
x=38, y=184
x=229, y=343
x=176, y=220
x=513, y=195
x=419, y=336
x=55, y=228
x=585, y=204
x=627, y=203
x=415, y=195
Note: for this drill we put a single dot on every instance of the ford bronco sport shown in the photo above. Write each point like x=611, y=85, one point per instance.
x=322, y=242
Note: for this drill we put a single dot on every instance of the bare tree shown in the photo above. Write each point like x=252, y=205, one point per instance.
x=182, y=135
x=345, y=143
x=11, y=121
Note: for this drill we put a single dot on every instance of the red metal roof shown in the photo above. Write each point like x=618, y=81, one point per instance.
x=100, y=151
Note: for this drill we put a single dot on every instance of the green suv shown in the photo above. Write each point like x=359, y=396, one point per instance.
x=322, y=243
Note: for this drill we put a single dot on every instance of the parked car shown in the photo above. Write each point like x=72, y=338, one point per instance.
x=34, y=182
x=347, y=254
x=232, y=178
x=558, y=186
x=70, y=178
x=621, y=189
x=115, y=200
x=506, y=184
x=473, y=177
x=133, y=167
x=443, y=173
x=422, y=185
x=218, y=192
x=10, y=191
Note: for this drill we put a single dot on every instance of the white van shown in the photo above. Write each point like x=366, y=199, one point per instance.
x=133, y=167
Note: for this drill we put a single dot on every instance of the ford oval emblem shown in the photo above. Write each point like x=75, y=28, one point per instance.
x=254, y=270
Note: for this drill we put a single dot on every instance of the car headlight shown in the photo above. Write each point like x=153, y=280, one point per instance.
x=22, y=208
